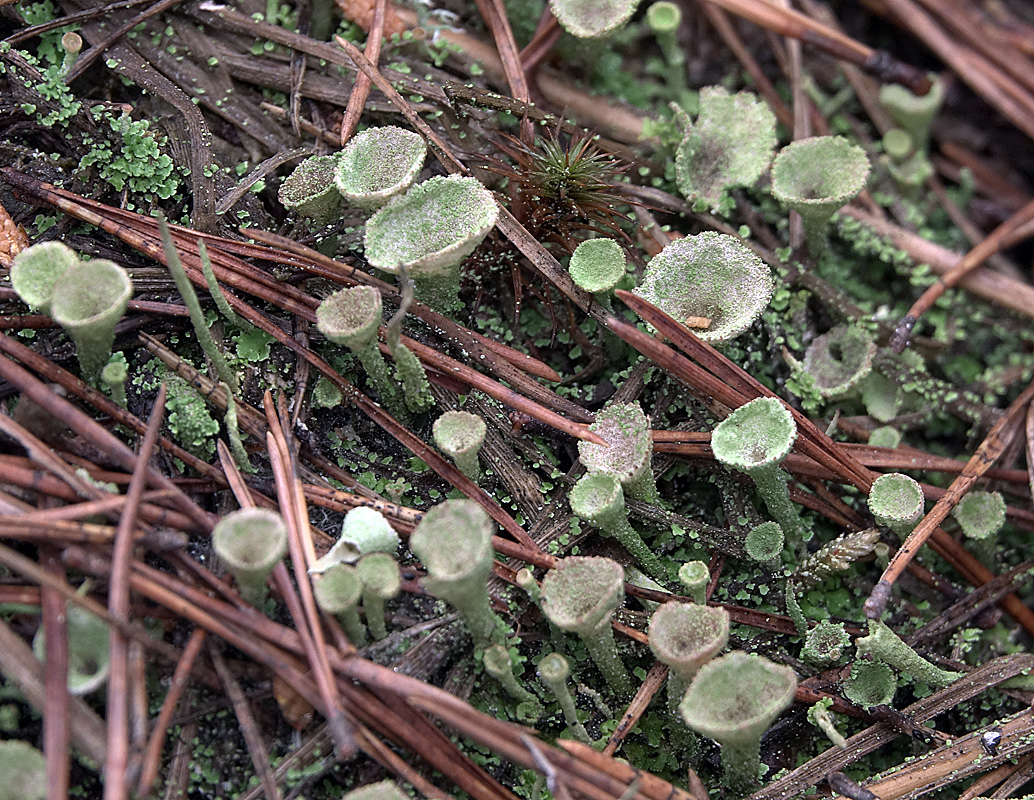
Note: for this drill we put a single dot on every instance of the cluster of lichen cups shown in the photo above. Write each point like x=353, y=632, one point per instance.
x=86, y=298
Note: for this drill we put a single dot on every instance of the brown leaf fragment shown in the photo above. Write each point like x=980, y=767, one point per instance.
x=361, y=13
x=13, y=238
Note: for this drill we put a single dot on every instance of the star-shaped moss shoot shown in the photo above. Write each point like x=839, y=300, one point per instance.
x=378, y=164
x=710, y=282
x=597, y=265
x=764, y=544
x=729, y=144
x=364, y=530
x=590, y=19
x=338, y=590
x=24, y=769
x=454, y=541
x=914, y=113
x=379, y=573
x=36, y=269
x=88, y=658
x=626, y=456
x=685, y=636
x=817, y=176
x=825, y=643
x=249, y=543
x=88, y=301
x=580, y=595
x=460, y=435
x=896, y=502
x=981, y=515
x=352, y=317
x=754, y=439
x=871, y=683
x=882, y=643
x=429, y=230
x=733, y=700
x=599, y=500
x=839, y=360
x=310, y=190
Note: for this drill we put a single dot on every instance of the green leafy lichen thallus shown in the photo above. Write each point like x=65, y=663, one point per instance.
x=88, y=657
x=733, y=700
x=24, y=769
x=695, y=576
x=685, y=636
x=553, y=672
x=378, y=164
x=591, y=19
x=887, y=646
x=36, y=269
x=597, y=265
x=598, y=499
x=729, y=144
x=429, y=230
x=310, y=190
x=454, y=542
x=896, y=501
x=381, y=579
x=337, y=590
x=709, y=277
x=754, y=439
x=626, y=456
x=249, y=543
x=499, y=665
x=88, y=301
x=460, y=434
x=981, y=515
x=352, y=317
x=580, y=595
x=817, y=176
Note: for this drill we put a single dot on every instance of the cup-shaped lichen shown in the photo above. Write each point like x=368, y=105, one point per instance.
x=825, y=643
x=379, y=573
x=24, y=771
x=364, y=530
x=733, y=700
x=685, y=636
x=454, y=541
x=36, y=269
x=429, y=230
x=88, y=301
x=729, y=144
x=871, y=683
x=499, y=665
x=764, y=543
x=626, y=456
x=378, y=164
x=554, y=671
x=597, y=265
x=598, y=499
x=695, y=576
x=580, y=595
x=754, y=439
x=711, y=277
x=310, y=190
x=914, y=113
x=338, y=590
x=589, y=19
x=382, y=790
x=88, y=658
x=896, y=501
x=817, y=176
x=460, y=434
x=352, y=317
x=981, y=515
x=249, y=543
x=838, y=360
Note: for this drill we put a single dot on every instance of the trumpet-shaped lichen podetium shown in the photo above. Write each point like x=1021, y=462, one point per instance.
x=88, y=657
x=460, y=435
x=454, y=540
x=729, y=144
x=378, y=164
x=24, y=769
x=685, y=636
x=710, y=276
x=838, y=360
x=337, y=590
x=754, y=439
x=382, y=790
x=249, y=543
x=36, y=269
x=597, y=265
x=896, y=501
x=733, y=700
x=429, y=230
x=310, y=190
x=580, y=595
x=626, y=456
x=589, y=19
x=88, y=301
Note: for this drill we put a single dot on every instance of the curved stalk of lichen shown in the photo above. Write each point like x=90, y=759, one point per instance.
x=884, y=644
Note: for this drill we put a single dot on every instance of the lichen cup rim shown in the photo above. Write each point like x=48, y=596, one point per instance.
x=354, y=184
